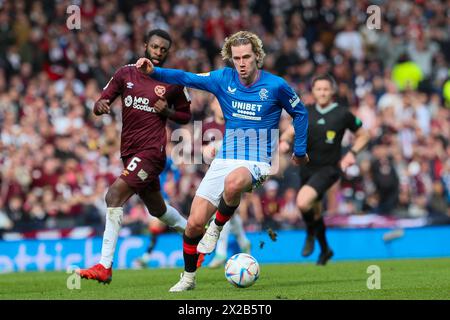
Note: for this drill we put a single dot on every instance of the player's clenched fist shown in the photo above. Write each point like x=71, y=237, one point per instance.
x=348, y=160
x=102, y=107
x=162, y=107
x=300, y=161
x=144, y=65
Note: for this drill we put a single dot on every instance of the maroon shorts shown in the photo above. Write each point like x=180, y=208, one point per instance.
x=142, y=170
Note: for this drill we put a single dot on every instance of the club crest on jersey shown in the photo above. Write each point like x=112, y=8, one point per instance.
x=330, y=136
x=130, y=85
x=160, y=90
x=264, y=94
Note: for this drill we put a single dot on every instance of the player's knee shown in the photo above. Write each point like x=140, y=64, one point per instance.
x=233, y=185
x=156, y=210
x=112, y=198
x=303, y=205
x=194, y=228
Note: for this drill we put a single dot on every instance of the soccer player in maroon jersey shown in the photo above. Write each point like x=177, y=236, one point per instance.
x=146, y=106
x=213, y=130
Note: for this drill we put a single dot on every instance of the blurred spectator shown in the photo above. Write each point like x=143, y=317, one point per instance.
x=271, y=205
x=16, y=213
x=251, y=211
x=5, y=221
x=137, y=218
x=446, y=92
x=437, y=204
x=289, y=211
x=386, y=180
x=406, y=73
x=350, y=40
x=421, y=52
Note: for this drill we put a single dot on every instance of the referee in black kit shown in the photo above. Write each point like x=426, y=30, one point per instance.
x=327, y=124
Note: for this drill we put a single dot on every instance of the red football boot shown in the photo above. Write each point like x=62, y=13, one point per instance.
x=201, y=258
x=97, y=272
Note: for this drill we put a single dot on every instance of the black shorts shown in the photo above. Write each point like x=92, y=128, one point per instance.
x=320, y=179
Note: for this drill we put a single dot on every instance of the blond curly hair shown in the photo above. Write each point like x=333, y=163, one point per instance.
x=242, y=38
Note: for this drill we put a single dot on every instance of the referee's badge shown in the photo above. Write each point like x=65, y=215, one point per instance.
x=330, y=136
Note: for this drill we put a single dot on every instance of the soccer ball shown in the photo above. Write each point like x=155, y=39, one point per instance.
x=242, y=270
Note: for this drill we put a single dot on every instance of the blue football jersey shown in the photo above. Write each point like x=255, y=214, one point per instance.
x=252, y=113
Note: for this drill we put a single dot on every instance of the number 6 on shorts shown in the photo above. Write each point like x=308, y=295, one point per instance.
x=133, y=163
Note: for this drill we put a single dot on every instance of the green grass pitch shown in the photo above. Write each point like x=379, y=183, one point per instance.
x=400, y=279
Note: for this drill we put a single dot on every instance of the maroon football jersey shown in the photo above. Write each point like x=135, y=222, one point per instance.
x=211, y=129
x=142, y=127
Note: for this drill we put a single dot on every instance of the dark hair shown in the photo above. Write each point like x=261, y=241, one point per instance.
x=326, y=77
x=160, y=33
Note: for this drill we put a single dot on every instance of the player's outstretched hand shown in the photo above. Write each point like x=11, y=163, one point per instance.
x=144, y=65
x=102, y=107
x=300, y=161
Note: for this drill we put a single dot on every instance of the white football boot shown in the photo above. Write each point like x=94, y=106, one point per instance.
x=187, y=282
x=210, y=238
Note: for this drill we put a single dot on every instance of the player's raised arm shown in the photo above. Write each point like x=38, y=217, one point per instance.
x=362, y=138
x=291, y=102
x=208, y=81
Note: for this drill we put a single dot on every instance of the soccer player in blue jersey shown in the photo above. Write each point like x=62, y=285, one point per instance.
x=251, y=100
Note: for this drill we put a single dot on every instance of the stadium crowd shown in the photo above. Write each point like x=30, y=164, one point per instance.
x=57, y=159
